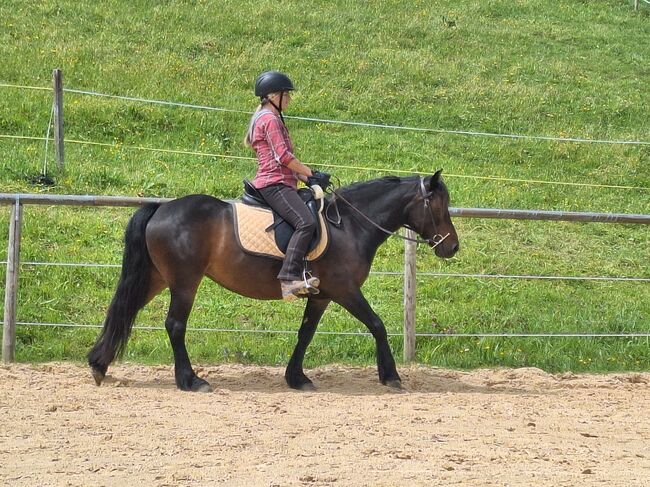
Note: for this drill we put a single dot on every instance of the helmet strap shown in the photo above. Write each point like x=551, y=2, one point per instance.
x=278, y=108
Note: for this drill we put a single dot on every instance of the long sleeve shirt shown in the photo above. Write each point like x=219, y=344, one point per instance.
x=272, y=144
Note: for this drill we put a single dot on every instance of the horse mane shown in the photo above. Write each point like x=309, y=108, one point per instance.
x=368, y=189
x=364, y=192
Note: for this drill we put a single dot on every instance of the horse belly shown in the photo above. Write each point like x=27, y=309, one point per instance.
x=245, y=274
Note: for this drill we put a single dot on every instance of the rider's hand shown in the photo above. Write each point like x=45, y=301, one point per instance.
x=321, y=179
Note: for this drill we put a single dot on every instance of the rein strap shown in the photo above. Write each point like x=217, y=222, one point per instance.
x=434, y=241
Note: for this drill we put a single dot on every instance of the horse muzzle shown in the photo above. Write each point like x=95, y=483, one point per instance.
x=442, y=246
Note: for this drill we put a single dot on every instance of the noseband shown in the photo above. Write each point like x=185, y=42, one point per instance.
x=433, y=242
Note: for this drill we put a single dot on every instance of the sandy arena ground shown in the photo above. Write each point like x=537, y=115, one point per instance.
x=487, y=427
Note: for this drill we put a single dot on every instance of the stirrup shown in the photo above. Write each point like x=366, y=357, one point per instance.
x=300, y=288
x=311, y=283
x=310, y=287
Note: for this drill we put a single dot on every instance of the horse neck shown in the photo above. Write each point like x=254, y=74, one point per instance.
x=385, y=208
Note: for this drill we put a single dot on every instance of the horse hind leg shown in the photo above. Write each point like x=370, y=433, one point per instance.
x=182, y=299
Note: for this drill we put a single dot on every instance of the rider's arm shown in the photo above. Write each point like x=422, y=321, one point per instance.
x=274, y=136
x=300, y=169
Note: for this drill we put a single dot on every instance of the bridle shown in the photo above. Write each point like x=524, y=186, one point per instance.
x=433, y=242
x=437, y=239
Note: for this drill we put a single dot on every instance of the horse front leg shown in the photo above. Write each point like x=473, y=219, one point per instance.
x=294, y=375
x=357, y=305
x=176, y=324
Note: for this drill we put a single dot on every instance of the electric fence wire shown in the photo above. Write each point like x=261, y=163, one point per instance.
x=341, y=122
x=356, y=333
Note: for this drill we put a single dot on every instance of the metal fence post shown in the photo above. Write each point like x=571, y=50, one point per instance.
x=11, y=287
x=57, y=85
x=409, y=297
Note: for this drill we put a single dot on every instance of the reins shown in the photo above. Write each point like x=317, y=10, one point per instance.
x=434, y=241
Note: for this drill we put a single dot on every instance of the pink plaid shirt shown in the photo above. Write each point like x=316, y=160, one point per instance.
x=270, y=140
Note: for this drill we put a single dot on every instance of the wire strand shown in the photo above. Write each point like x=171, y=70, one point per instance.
x=466, y=132
x=344, y=122
x=358, y=333
x=393, y=273
x=368, y=124
x=328, y=165
x=24, y=87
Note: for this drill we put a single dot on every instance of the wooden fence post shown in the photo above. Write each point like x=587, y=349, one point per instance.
x=57, y=84
x=11, y=287
x=409, y=297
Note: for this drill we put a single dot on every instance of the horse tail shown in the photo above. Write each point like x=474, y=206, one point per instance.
x=130, y=296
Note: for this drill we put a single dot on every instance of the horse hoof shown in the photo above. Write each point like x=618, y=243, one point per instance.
x=395, y=384
x=204, y=388
x=200, y=385
x=307, y=387
x=98, y=375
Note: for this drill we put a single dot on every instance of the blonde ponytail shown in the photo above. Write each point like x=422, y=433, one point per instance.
x=247, y=138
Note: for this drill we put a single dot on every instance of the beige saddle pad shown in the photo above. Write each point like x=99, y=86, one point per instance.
x=251, y=223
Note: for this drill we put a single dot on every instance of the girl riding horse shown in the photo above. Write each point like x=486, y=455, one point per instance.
x=277, y=174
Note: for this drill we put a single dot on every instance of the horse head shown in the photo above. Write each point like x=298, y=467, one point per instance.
x=428, y=215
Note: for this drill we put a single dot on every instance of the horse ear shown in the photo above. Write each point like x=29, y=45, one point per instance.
x=434, y=179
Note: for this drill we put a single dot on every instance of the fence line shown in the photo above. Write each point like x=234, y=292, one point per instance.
x=515, y=276
x=138, y=147
x=348, y=123
x=495, y=213
x=338, y=166
x=13, y=261
x=24, y=87
x=357, y=333
x=396, y=273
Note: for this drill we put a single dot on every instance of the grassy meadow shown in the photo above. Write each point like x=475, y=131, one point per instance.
x=568, y=69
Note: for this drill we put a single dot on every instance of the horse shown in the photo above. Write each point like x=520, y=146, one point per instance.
x=175, y=244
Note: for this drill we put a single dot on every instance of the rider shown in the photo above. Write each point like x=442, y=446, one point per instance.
x=277, y=175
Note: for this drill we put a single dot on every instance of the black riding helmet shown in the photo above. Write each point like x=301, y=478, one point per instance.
x=272, y=82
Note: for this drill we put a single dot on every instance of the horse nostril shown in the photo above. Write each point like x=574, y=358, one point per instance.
x=455, y=248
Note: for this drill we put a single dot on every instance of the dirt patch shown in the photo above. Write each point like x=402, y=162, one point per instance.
x=500, y=427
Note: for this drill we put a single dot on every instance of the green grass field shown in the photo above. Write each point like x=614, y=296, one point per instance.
x=549, y=68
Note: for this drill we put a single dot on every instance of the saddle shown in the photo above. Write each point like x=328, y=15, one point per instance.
x=261, y=231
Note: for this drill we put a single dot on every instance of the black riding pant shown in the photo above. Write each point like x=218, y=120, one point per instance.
x=286, y=202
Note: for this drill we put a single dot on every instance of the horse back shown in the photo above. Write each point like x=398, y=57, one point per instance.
x=183, y=231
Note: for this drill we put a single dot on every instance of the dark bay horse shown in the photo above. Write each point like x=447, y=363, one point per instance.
x=176, y=244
